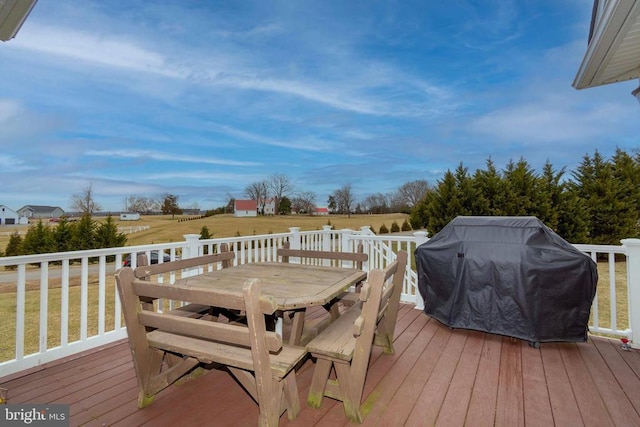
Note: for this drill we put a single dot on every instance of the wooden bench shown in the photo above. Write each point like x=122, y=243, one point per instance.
x=168, y=346
x=223, y=259
x=346, y=344
x=334, y=258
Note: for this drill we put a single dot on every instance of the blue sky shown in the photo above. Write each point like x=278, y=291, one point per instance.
x=200, y=99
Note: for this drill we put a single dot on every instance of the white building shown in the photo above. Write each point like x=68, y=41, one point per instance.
x=244, y=208
x=10, y=217
x=129, y=216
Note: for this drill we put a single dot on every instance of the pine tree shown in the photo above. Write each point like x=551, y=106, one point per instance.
x=62, y=236
x=520, y=182
x=443, y=204
x=626, y=171
x=603, y=195
x=491, y=191
x=14, y=247
x=84, y=234
x=205, y=233
x=38, y=240
x=107, y=235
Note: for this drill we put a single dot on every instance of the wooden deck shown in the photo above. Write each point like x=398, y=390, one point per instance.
x=437, y=377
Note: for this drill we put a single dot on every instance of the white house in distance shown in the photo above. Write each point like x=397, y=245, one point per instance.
x=245, y=208
x=40, y=212
x=269, y=207
x=10, y=217
x=321, y=211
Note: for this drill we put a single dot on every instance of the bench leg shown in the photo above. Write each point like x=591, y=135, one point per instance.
x=291, y=397
x=319, y=383
x=270, y=405
x=350, y=391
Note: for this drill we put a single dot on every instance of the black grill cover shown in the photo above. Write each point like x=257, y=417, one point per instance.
x=511, y=276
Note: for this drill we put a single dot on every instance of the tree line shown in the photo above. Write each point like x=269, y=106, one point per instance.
x=85, y=234
x=598, y=203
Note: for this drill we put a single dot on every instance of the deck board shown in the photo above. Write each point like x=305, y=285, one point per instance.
x=537, y=407
x=437, y=376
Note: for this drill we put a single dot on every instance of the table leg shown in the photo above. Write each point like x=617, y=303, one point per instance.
x=296, y=327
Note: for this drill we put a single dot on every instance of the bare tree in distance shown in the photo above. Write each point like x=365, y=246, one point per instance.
x=377, y=203
x=344, y=199
x=280, y=186
x=84, y=202
x=411, y=193
x=258, y=191
x=304, y=201
x=139, y=204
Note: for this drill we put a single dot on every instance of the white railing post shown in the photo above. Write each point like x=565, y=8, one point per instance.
x=632, y=247
x=420, y=238
x=345, y=240
x=326, y=237
x=191, y=248
x=366, y=230
x=294, y=240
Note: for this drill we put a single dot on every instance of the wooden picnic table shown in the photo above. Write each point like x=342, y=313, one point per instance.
x=293, y=286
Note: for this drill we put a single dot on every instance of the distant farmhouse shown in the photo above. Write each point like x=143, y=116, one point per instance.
x=269, y=206
x=244, y=208
x=10, y=217
x=40, y=212
x=321, y=211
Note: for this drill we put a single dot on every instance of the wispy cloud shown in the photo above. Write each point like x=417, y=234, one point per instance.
x=99, y=49
x=166, y=157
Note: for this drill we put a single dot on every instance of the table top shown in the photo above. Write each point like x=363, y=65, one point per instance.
x=292, y=285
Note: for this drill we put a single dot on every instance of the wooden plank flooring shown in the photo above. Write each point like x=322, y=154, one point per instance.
x=437, y=376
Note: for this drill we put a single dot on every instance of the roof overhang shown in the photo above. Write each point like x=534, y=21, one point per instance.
x=613, y=53
x=12, y=16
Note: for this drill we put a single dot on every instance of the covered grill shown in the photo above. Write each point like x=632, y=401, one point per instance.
x=511, y=276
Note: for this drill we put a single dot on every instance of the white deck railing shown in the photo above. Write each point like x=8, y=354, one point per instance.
x=55, y=305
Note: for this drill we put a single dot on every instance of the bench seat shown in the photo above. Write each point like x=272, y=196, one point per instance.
x=214, y=352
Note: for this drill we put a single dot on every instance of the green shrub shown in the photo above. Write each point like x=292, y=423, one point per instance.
x=406, y=226
x=395, y=228
x=383, y=229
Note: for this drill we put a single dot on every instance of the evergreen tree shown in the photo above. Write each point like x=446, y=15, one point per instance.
x=603, y=196
x=205, y=233
x=573, y=217
x=84, y=234
x=38, y=240
x=107, y=235
x=490, y=189
x=550, y=189
x=626, y=172
x=466, y=192
x=284, y=206
x=443, y=204
x=14, y=247
x=520, y=185
x=62, y=236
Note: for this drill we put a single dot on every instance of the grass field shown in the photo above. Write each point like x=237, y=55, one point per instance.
x=165, y=229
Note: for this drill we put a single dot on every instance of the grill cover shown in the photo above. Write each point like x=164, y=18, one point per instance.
x=511, y=276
